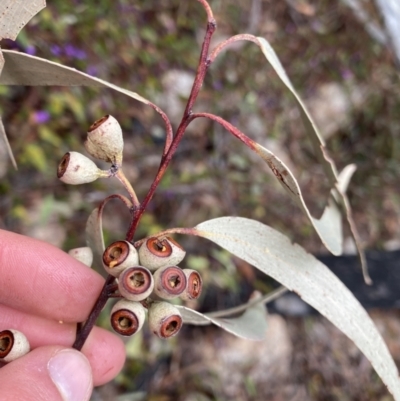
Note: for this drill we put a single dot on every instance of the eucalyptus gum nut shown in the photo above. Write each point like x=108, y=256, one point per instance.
x=84, y=255
x=105, y=141
x=13, y=344
x=75, y=168
x=136, y=283
x=159, y=252
x=118, y=256
x=169, y=282
x=127, y=317
x=164, y=319
x=194, y=285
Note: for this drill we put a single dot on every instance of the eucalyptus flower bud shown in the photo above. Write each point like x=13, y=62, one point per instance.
x=169, y=282
x=105, y=141
x=135, y=283
x=84, y=255
x=75, y=169
x=13, y=344
x=194, y=285
x=118, y=256
x=158, y=252
x=127, y=317
x=164, y=319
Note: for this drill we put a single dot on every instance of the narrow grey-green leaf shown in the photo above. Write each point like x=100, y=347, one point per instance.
x=329, y=226
x=94, y=236
x=23, y=69
x=251, y=325
x=345, y=176
x=319, y=148
x=308, y=121
x=274, y=254
x=94, y=229
x=15, y=14
x=4, y=139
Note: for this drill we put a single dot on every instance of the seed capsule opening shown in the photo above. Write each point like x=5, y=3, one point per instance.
x=13, y=345
x=136, y=283
x=159, y=247
x=98, y=122
x=171, y=326
x=125, y=322
x=63, y=165
x=194, y=285
x=6, y=343
x=169, y=282
x=118, y=256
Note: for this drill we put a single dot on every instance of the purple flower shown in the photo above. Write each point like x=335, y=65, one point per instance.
x=74, y=52
x=55, y=50
x=30, y=50
x=41, y=116
x=92, y=70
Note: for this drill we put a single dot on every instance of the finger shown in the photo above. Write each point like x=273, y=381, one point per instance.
x=104, y=350
x=41, y=279
x=47, y=374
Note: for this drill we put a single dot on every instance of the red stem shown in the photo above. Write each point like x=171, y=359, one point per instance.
x=186, y=119
x=171, y=144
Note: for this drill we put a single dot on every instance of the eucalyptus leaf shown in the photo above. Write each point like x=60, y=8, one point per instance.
x=24, y=69
x=329, y=226
x=94, y=229
x=94, y=236
x=3, y=136
x=344, y=177
x=251, y=325
x=15, y=14
x=320, y=150
x=274, y=254
x=309, y=123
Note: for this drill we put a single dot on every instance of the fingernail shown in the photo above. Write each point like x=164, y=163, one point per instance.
x=71, y=373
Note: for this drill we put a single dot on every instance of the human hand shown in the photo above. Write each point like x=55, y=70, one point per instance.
x=43, y=293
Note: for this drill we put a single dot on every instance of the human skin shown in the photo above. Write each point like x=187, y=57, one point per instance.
x=43, y=293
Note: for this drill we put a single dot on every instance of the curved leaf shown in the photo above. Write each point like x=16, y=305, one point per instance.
x=329, y=226
x=15, y=14
x=94, y=229
x=94, y=236
x=24, y=69
x=309, y=123
x=3, y=136
x=251, y=325
x=274, y=254
x=320, y=150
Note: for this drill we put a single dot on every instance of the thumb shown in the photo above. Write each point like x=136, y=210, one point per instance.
x=50, y=373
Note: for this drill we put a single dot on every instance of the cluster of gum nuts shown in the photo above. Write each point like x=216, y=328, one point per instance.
x=149, y=276
x=146, y=286
x=149, y=285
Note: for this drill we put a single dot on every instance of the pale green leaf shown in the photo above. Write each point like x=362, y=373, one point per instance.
x=329, y=226
x=94, y=236
x=4, y=139
x=251, y=325
x=94, y=229
x=320, y=150
x=344, y=177
x=274, y=254
x=23, y=69
x=309, y=123
x=15, y=14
